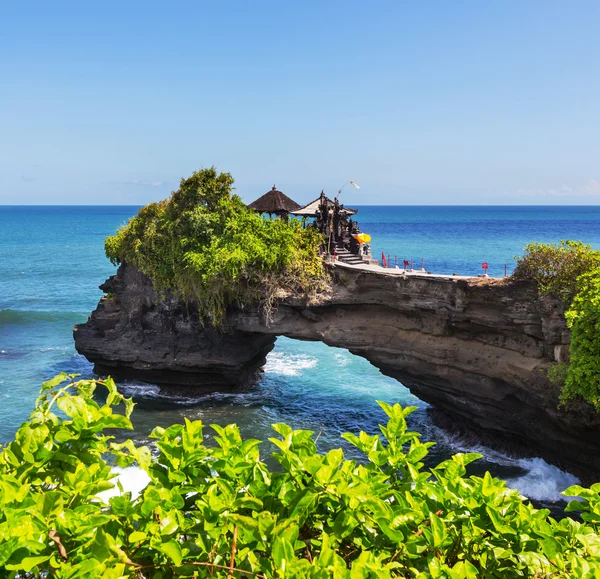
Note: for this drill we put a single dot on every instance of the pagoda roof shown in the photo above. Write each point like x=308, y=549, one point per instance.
x=310, y=210
x=274, y=202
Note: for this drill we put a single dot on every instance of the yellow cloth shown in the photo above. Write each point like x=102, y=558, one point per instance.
x=362, y=237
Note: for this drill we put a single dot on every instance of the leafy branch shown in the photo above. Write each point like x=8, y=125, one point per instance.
x=220, y=511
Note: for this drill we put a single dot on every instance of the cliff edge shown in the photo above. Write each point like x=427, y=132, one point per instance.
x=476, y=349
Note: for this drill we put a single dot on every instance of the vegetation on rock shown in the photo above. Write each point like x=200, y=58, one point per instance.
x=221, y=512
x=583, y=317
x=571, y=271
x=204, y=245
x=557, y=268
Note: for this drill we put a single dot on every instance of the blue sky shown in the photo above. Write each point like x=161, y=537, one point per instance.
x=462, y=102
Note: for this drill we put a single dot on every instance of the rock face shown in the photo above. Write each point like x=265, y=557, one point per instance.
x=133, y=333
x=475, y=349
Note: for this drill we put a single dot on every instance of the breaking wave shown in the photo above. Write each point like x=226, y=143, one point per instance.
x=289, y=364
x=539, y=481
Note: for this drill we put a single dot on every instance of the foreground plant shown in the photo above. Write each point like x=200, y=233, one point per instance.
x=221, y=512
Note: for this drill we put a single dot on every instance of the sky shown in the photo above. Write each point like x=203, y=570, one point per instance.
x=462, y=102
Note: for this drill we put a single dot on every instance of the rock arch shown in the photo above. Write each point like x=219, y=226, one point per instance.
x=477, y=349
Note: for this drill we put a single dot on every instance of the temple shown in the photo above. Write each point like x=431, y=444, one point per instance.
x=343, y=239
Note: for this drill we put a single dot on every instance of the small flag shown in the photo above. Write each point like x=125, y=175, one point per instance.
x=355, y=185
x=383, y=259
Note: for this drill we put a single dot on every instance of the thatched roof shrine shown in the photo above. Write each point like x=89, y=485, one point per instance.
x=274, y=202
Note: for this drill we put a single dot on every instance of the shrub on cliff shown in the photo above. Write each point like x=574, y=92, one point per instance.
x=571, y=271
x=556, y=268
x=583, y=317
x=207, y=247
x=221, y=512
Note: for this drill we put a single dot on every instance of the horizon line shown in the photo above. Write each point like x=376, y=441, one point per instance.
x=355, y=204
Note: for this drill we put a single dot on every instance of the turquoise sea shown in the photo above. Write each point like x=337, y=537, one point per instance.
x=52, y=261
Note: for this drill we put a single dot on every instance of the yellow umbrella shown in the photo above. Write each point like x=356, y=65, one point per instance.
x=362, y=237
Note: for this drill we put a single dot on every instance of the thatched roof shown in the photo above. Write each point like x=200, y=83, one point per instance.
x=274, y=202
x=310, y=210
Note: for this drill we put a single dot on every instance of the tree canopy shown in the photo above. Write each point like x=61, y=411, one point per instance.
x=204, y=245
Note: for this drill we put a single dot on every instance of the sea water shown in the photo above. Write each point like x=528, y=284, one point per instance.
x=52, y=261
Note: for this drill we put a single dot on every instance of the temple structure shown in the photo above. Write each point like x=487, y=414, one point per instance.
x=274, y=202
x=344, y=238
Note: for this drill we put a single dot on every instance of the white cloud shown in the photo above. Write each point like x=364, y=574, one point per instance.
x=590, y=189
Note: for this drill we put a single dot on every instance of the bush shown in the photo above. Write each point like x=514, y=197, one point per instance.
x=221, y=512
x=207, y=247
x=583, y=317
x=556, y=269
x=571, y=271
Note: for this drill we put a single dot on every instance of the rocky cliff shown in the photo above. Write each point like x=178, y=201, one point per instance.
x=475, y=349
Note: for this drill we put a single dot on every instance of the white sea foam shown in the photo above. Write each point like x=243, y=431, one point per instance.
x=139, y=389
x=145, y=391
x=342, y=359
x=288, y=365
x=133, y=479
x=541, y=481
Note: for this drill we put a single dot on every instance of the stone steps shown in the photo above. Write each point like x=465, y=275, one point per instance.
x=344, y=255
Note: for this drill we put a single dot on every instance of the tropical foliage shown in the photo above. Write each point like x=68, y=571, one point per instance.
x=221, y=512
x=556, y=268
x=204, y=245
x=583, y=317
x=571, y=271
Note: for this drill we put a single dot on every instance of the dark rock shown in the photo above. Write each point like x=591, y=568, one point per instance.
x=476, y=349
x=139, y=334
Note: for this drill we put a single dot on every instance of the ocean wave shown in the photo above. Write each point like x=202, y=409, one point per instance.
x=143, y=391
x=55, y=349
x=22, y=317
x=342, y=359
x=289, y=365
x=540, y=481
x=11, y=354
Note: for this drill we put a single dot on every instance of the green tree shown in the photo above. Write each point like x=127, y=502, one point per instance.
x=204, y=245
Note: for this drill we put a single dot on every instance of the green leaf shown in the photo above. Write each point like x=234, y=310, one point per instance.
x=27, y=563
x=438, y=530
x=283, y=553
x=58, y=379
x=172, y=549
x=137, y=537
x=73, y=406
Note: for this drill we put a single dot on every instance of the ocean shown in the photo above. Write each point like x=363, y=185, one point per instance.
x=52, y=261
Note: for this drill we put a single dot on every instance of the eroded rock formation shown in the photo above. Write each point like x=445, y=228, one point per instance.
x=476, y=349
